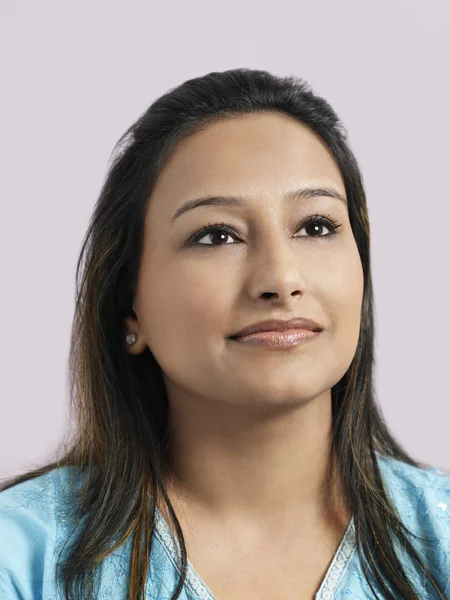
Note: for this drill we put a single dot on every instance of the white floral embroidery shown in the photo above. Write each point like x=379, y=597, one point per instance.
x=338, y=565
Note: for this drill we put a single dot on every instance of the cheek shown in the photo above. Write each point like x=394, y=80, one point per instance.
x=197, y=298
x=344, y=307
x=184, y=312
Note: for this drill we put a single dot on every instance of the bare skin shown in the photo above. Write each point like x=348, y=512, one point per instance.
x=250, y=427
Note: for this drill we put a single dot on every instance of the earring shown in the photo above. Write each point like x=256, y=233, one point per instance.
x=131, y=338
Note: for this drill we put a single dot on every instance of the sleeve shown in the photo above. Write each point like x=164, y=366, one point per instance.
x=8, y=590
x=27, y=534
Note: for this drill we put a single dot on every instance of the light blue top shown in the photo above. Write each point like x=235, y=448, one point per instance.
x=33, y=524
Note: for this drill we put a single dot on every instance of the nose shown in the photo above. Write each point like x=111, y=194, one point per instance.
x=276, y=272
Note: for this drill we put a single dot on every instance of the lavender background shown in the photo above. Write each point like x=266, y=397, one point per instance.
x=74, y=76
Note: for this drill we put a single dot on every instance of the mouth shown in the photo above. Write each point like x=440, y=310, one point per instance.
x=277, y=339
x=279, y=325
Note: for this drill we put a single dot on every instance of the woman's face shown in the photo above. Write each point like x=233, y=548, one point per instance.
x=191, y=297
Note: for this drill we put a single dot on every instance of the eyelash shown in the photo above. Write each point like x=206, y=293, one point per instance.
x=226, y=228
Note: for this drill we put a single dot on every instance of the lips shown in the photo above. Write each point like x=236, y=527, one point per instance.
x=279, y=325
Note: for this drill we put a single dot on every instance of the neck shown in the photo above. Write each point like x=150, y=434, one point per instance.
x=267, y=467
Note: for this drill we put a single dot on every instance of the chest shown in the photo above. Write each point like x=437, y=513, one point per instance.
x=289, y=561
x=272, y=573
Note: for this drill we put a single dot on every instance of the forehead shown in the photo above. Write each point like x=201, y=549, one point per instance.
x=250, y=155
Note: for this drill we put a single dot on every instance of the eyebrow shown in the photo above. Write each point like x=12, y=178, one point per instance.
x=303, y=193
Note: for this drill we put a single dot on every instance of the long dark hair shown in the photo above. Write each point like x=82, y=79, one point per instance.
x=119, y=400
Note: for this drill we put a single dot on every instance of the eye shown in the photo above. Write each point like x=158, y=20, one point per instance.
x=318, y=221
x=215, y=231
x=218, y=232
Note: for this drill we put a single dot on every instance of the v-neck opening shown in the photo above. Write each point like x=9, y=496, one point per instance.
x=198, y=587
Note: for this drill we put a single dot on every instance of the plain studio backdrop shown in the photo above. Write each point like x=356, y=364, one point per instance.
x=74, y=76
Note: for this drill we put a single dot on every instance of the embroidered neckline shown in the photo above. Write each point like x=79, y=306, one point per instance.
x=338, y=565
x=193, y=580
x=197, y=586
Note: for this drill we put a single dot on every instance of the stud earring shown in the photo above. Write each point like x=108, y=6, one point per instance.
x=131, y=338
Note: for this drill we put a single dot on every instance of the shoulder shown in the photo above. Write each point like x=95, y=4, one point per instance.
x=36, y=519
x=32, y=515
x=422, y=498
x=417, y=489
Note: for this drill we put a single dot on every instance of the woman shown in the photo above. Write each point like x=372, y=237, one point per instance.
x=228, y=441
